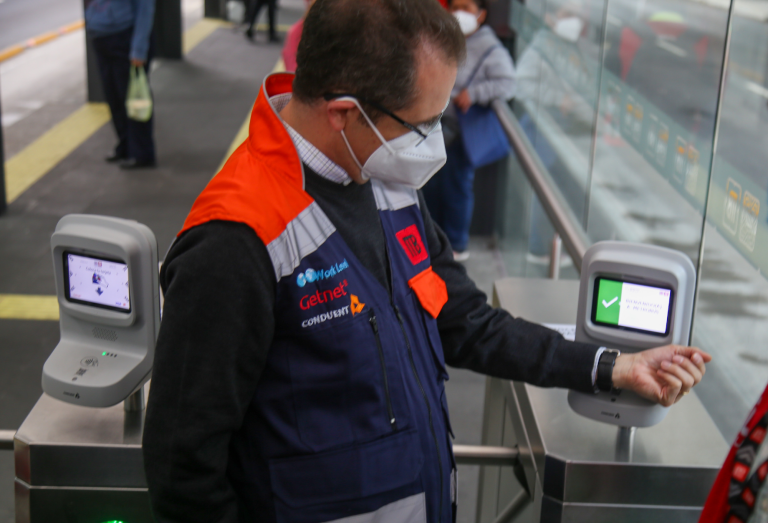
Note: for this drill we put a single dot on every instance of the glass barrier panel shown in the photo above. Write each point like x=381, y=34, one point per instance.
x=557, y=52
x=731, y=318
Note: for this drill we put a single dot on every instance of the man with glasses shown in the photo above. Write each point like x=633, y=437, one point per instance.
x=311, y=305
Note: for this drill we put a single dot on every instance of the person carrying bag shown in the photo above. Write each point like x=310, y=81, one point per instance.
x=474, y=136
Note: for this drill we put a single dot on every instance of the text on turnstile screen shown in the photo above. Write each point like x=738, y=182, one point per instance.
x=632, y=306
x=96, y=281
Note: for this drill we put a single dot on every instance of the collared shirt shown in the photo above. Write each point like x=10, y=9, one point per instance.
x=308, y=153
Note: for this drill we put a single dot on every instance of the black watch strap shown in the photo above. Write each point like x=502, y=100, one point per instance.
x=604, y=378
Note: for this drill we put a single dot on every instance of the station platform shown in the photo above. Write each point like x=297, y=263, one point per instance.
x=202, y=104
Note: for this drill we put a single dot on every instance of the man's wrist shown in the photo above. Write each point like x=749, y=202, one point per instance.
x=621, y=371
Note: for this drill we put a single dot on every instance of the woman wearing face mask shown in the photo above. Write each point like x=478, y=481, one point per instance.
x=487, y=74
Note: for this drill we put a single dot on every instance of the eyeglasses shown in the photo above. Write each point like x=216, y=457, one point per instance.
x=423, y=129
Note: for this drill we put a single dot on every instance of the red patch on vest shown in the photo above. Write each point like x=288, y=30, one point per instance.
x=410, y=239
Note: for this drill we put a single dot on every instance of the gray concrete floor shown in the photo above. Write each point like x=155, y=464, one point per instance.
x=200, y=104
x=466, y=389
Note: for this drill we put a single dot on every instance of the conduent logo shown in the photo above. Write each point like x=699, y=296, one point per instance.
x=354, y=306
x=312, y=275
x=310, y=300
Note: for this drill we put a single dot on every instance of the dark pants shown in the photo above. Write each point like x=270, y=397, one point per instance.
x=134, y=139
x=253, y=14
x=449, y=196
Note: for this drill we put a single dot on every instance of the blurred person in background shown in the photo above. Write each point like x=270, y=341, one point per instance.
x=253, y=14
x=121, y=33
x=293, y=39
x=449, y=194
x=540, y=87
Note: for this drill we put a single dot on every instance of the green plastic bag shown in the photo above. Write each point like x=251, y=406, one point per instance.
x=138, y=104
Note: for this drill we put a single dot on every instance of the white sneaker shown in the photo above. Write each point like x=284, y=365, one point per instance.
x=461, y=256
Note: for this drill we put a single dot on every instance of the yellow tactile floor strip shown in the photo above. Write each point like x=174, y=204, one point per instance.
x=28, y=307
x=42, y=155
x=242, y=134
x=10, y=52
x=38, y=158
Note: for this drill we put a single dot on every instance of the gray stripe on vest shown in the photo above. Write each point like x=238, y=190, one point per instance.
x=412, y=509
x=393, y=196
x=302, y=236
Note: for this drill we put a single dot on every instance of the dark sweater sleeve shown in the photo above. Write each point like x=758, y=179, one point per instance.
x=218, y=324
x=481, y=338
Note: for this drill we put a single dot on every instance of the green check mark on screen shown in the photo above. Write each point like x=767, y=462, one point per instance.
x=609, y=301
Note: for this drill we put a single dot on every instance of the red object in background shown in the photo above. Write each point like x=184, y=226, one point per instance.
x=701, y=50
x=444, y=3
x=292, y=45
x=717, y=507
x=630, y=43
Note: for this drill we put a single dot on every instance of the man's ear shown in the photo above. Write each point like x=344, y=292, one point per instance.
x=482, y=16
x=339, y=113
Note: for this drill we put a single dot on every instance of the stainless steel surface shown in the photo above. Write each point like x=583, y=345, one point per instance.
x=570, y=462
x=565, y=222
x=554, y=257
x=625, y=443
x=135, y=402
x=484, y=455
x=64, y=445
x=6, y=439
x=511, y=511
x=81, y=505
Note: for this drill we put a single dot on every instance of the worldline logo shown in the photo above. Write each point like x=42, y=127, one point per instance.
x=313, y=275
x=310, y=300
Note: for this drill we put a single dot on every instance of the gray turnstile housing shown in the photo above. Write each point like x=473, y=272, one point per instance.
x=83, y=465
x=570, y=463
x=80, y=465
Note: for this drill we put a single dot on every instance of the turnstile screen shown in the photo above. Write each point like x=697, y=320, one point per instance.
x=631, y=306
x=99, y=282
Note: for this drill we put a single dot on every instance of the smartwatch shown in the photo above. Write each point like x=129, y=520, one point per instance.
x=604, y=378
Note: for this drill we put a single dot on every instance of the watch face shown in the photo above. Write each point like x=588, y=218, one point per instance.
x=97, y=282
x=636, y=307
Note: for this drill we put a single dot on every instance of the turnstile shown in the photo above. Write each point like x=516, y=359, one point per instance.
x=80, y=465
x=578, y=470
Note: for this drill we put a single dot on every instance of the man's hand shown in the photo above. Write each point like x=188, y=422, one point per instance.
x=137, y=63
x=664, y=374
x=463, y=101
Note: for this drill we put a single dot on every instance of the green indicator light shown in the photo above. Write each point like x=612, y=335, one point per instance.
x=114, y=520
x=104, y=354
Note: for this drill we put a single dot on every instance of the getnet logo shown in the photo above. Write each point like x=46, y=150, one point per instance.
x=313, y=275
x=310, y=300
x=355, y=307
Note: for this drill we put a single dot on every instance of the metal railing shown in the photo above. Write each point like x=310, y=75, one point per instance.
x=484, y=455
x=565, y=222
x=569, y=233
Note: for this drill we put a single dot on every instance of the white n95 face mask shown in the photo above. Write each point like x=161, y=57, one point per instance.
x=409, y=160
x=467, y=22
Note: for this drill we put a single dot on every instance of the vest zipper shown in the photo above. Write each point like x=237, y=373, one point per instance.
x=375, y=327
x=429, y=408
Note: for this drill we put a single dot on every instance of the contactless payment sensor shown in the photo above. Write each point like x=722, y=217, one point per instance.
x=632, y=297
x=107, y=288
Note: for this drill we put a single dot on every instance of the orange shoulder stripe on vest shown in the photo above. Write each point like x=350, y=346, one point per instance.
x=262, y=183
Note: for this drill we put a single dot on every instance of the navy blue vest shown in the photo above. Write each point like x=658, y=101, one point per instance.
x=350, y=415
